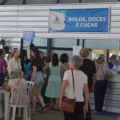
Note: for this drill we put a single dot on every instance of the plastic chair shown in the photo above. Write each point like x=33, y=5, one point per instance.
x=19, y=99
x=6, y=104
x=30, y=85
x=1, y=105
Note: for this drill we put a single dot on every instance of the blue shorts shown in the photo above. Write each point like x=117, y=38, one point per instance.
x=39, y=77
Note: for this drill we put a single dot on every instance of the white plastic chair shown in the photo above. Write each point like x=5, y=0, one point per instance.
x=1, y=106
x=6, y=104
x=19, y=99
x=30, y=85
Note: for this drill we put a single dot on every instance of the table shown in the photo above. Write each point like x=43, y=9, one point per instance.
x=6, y=106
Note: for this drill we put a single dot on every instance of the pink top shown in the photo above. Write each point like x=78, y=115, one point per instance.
x=18, y=98
x=17, y=82
x=3, y=65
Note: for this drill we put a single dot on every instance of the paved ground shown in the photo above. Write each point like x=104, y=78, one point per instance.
x=51, y=115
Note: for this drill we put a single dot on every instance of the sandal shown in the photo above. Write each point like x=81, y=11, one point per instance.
x=33, y=111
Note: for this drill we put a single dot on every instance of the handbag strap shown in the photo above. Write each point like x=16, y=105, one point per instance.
x=18, y=63
x=18, y=82
x=103, y=71
x=73, y=82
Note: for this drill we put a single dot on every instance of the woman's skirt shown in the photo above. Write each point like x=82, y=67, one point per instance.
x=53, y=87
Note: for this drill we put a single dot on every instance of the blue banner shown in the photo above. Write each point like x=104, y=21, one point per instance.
x=28, y=35
x=79, y=20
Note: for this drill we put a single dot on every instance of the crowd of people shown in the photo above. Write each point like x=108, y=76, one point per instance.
x=53, y=79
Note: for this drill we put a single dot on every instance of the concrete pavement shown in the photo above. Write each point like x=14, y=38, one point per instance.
x=52, y=115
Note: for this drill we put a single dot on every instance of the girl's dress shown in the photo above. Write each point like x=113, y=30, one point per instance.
x=54, y=82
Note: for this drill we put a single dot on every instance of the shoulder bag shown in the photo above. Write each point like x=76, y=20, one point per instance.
x=68, y=105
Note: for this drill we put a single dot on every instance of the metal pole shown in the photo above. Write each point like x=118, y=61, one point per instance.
x=24, y=2
x=49, y=46
x=78, y=41
x=83, y=43
x=58, y=1
x=21, y=45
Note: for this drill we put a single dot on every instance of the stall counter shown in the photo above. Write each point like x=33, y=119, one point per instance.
x=112, y=98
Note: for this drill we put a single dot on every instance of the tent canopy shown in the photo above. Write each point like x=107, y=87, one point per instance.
x=19, y=2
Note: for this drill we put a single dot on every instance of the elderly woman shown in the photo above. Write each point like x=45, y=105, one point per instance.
x=81, y=87
x=64, y=63
x=112, y=62
x=103, y=72
x=17, y=80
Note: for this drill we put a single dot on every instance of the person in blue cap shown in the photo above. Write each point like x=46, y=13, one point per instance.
x=112, y=62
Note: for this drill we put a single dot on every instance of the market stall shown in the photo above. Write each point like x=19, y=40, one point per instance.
x=81, y=21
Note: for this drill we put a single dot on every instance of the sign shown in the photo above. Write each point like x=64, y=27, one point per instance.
x=76, y=50
x=79, y=20
x=28, y=36
x=1, y=46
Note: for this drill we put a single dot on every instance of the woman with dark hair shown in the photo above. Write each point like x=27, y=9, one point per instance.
x=64, y=63
x=54, y=82
x=23, y=57
x=37, y=77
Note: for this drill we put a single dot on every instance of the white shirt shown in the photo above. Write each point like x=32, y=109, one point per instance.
x=80, y=80
x=6, y=56
x=14, y=64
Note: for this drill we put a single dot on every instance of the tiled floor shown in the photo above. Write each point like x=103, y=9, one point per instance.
x=51, y=115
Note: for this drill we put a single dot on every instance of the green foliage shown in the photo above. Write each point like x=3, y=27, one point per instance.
x=2, y=41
